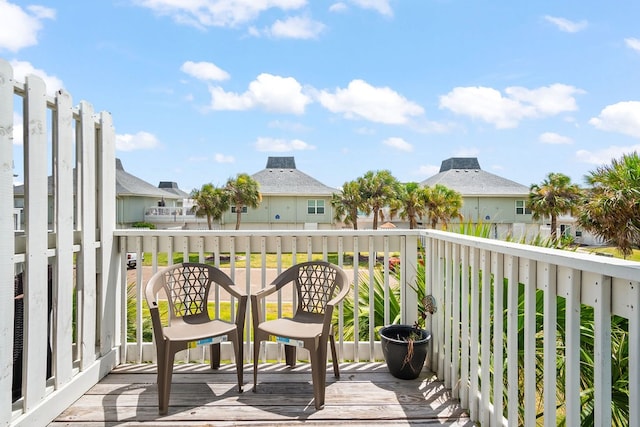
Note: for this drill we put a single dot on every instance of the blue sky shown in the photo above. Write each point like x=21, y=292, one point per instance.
x=201, y=90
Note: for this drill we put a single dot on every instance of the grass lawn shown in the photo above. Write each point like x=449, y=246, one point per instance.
x=271, y=260
x=614, y=252
x=225, y=314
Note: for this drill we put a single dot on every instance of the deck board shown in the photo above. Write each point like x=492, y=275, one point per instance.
x=365, y=394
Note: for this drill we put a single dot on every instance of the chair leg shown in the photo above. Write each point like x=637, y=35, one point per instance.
x=290, y=355
x=214, y=350
x=318, y=377
x=256, y=355
x=334, y=356
x=165, y=372
x=238, y=346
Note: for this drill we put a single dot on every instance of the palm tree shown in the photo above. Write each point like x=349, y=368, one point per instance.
x=612, y=206
x=378, y=189
x=210, y=202
x=347, y=203
x=555, y=196
x=244, y=191
x=442, y=205
x=410, y=203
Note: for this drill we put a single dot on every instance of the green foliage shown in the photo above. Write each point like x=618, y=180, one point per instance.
x=478, y=229
x=409, y=203
x=377, y=190
x=364, y=307
x=442, y=205
x=555, y=196
x=612, y=207
x=143, y=225
x=244, y=191
x=347, y=203
x=210, y=202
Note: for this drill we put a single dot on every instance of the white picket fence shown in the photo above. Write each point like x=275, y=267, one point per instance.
x=76, y=147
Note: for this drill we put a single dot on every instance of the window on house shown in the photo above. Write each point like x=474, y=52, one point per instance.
x=522, y=208
x=315, y=207
x=233, y=209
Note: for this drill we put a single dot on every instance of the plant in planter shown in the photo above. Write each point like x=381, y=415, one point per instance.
x=405, y=346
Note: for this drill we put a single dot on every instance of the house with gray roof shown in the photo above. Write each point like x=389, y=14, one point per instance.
x=134, y=197
x=291, y=200
x=487, y=198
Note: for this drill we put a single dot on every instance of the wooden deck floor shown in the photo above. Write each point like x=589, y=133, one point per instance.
x=365, y=395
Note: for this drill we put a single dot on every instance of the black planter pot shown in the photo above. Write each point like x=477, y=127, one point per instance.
x=396, y=346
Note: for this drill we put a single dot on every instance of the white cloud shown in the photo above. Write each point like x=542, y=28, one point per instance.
x=282, y=145
x=139, y=141
x=554, y=138
x=381, y=6
x=484, y=103
x=547, y=100
x=566, y=25
x=398, y=144
x=217, y=13
x=22, y=69
x=623, y=117
x=633, y=43
x=297, y=27
x=338, y=7
x=269, y=92
x=489, y=105
x=18, y=127
x=288, y=126
x=604, y=156
x=204, y=71
x=19, y=27
x=222, y=158
x=360, y=100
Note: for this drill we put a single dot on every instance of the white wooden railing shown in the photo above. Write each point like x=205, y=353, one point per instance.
x=476, y=352
x=210, y=245
x=489, y=360
x=484, y=358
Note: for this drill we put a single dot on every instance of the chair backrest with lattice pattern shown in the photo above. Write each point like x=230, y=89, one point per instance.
x=316, y=283
x=187, y=288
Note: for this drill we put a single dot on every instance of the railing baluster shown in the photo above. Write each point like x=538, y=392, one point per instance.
x=528, y=276
x=485, y=338
x=602, y=347
x=512, y=337
x=634, y=353
x=569, y=279
x=474, y=326
x=547, y=276
x=456, y=313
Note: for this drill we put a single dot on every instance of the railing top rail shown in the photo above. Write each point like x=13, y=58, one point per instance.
x=266, y=233
x=614, y=267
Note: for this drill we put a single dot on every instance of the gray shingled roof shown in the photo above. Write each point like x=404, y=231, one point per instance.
x=126, y=185
x=463, y=174
x=129, y=185
x=281, y=177
x=172, y=187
